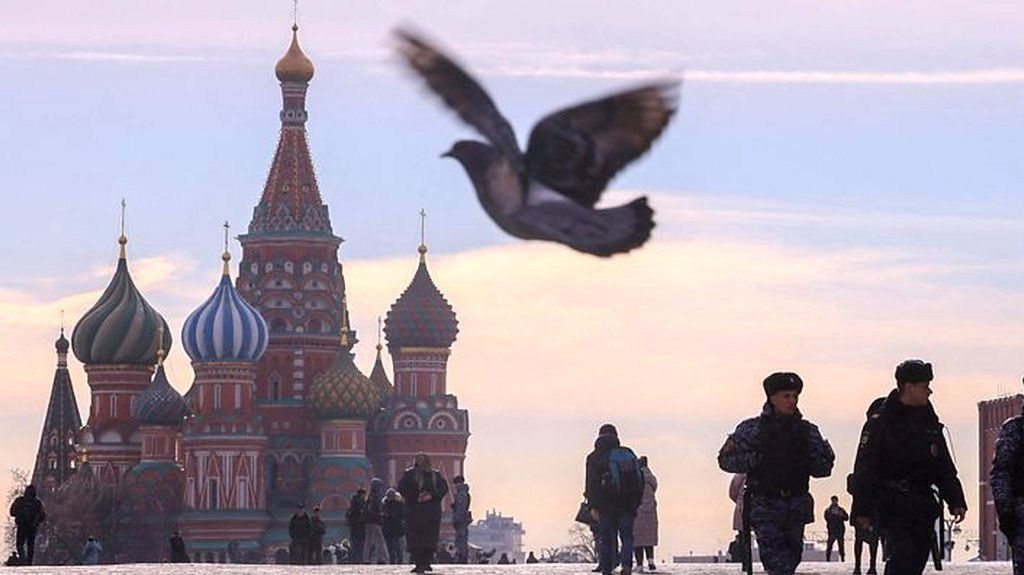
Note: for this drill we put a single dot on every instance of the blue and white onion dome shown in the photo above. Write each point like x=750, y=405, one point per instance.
x=225, y=328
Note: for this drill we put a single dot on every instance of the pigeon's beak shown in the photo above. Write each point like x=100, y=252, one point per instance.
x=447, y=154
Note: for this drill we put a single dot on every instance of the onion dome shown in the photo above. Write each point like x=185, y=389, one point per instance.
x=62, y=343
x=343, y=392
x=225, y=327
x=121, y=327
x=294, y=66
x=159, y=403
x=421, y=317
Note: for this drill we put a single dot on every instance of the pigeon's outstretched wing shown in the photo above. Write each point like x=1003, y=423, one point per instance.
x=460, y=92
x=577, y=151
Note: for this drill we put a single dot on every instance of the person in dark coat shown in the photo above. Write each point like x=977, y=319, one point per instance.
x=835, y=525
x=461, y=518
x=902, y=457
x=178, y=552
x=423, y=489
x=393, y=525
x=317, y=530
x=355, y=517
x=1007, y=482
x=28, y=512
x=531, y=558
x=613, y=489
x=779, y=451
x=299, y=529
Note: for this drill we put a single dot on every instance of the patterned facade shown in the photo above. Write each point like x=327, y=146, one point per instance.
x=277, y=414
x=56, y=458
x=991, y=415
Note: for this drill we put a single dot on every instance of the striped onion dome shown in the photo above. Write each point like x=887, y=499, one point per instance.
x=225, y=327
x=159, y=403
x=421, y=317
x=120, y=328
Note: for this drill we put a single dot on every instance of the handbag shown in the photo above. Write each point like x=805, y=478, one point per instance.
x=583, y=515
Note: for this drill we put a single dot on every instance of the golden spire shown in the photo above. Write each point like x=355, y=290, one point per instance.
x=123, y=239
x=62, y=321
x=226, y=256
x=294, y=66
x=160, y=353
x=423, y=235
x=379, y=346
x=344, y=323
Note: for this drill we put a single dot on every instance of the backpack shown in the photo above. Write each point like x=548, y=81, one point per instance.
x=622, y=475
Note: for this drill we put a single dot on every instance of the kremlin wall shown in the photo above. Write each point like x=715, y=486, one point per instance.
x=277, y=415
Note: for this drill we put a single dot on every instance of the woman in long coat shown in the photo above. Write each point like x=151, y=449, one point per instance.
x=645, y=529
x=423, y=488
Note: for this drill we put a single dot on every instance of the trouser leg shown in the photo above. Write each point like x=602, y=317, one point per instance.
x=607, y=552
x=841, y=540
x=873, y=553
x=858, y=548
x=828, y=547
x=625, y=528
x=908, y=547
x=1017, y=550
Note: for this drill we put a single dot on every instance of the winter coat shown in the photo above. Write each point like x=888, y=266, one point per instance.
x=394, y=517
x=835, y=519
x=461, y=515
x=91, y=553
x=27, y=510
x=299, y=526
x=374, y=502
x=597, y=469
x=737, y=487
x=423, y=518
x=317, y=529
x=178, y=552
x=645, y=528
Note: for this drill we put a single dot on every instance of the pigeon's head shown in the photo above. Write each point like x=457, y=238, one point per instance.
x=474, y=156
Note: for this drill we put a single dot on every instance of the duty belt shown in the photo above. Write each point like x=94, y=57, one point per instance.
x=779, y=493
x=907, y=486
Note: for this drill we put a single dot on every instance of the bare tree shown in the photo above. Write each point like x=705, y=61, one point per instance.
x=582, y=542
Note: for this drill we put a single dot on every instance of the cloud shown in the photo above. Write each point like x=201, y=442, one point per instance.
x=830, y=77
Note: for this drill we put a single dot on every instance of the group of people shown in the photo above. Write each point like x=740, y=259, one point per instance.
x=386, y=523
x=619, y=491
x=902, y=472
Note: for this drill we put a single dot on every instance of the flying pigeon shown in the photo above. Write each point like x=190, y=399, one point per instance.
x=549, y=192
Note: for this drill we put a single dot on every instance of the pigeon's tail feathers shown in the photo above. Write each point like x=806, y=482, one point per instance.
x=629, y=227
x=603, y=232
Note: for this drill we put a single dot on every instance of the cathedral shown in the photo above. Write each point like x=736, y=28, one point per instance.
x=278, y=414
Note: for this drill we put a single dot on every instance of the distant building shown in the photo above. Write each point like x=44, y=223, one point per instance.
x=504, y=534
x=991, y=415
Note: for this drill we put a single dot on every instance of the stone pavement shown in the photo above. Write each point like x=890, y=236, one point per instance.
x=538, y=569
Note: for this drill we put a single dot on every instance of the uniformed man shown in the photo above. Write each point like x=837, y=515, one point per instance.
x=779, y=451
x=1007, y=482
x=902, y=456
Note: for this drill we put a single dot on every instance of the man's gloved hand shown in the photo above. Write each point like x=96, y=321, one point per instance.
x=1008, y=524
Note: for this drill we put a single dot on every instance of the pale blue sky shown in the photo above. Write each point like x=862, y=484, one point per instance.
x=861, y=162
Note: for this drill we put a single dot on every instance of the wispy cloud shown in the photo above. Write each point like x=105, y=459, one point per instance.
x=836, y=77
x=117, y=57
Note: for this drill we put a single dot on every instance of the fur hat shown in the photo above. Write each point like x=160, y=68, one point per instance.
x=914, y=371
x=782, y=381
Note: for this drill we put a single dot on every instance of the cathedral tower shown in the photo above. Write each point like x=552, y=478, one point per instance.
x=290, y=272
x=55, y=459
x=117, y=340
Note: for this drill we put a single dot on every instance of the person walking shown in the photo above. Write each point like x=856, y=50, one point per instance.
x=462, y=517
x=91, y=552
x=375, y=548
x=317, y=530
x=1007, y=482
x=863, y=536
x=779, y=451
x=178, y=552
x=423, y=489
x=355, y=517
x=645, y=529
x=835, y=524
x=393, y=525
x=28, y=512
x=299, y=530
x=902, y=457
x=614, y=489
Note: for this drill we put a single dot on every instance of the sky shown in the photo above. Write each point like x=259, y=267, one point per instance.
x=839, y=191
